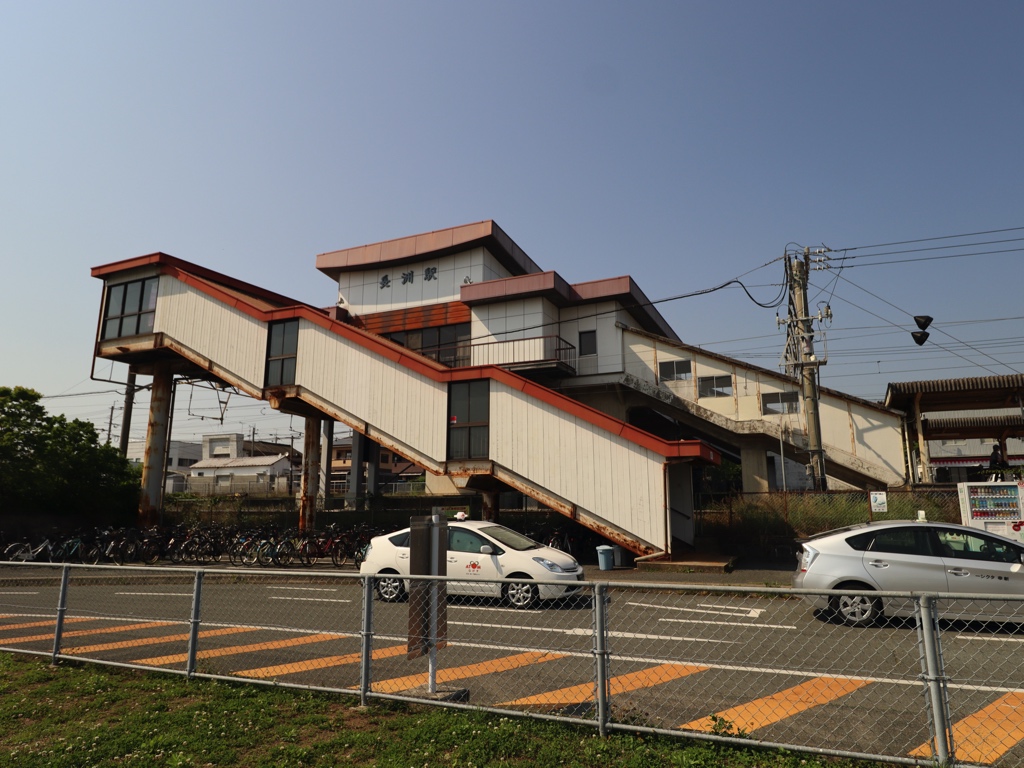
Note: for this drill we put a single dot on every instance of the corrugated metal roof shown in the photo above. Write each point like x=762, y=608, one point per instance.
x=1016, y=381
x=245, y=461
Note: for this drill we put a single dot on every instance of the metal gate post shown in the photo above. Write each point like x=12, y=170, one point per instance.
x=193, y=635
x=601, y=655
x=935, y=679
x=62, y=608
x=366, y=642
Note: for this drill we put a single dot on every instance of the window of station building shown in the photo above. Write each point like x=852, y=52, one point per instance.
x=469, y=419
x=714, y=386
x=780, y=402
x=130, y=309
x=385, y=457
x=674, y=370
x=448, y=344
x=282, y=348
x=588, y=343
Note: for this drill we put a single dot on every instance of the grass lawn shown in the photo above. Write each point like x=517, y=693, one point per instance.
x=79, y=715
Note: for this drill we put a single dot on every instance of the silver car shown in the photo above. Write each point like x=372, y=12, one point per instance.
x=911, y=556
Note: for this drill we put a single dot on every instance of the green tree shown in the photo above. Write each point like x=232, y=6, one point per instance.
x=55, y=471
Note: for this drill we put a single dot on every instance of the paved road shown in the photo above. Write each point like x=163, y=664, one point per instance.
x=762, y=664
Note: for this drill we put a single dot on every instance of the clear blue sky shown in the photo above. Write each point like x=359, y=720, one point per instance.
x=683, y=143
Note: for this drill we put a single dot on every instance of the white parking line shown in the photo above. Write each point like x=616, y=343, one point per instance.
x=157, y=594
x=485, y=608
x=748, y=613
x=311, y=599
x=581, y=631
x=19, y=593
x=730, y=623
x=306, y=589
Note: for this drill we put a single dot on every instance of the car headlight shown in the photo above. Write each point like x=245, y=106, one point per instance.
x=553, y=567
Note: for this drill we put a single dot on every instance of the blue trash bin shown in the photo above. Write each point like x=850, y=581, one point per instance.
x=605, y=558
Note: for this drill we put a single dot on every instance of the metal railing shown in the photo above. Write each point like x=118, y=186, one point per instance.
x=932, y=684
x=531, y=352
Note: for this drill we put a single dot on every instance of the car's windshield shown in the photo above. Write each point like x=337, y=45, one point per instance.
x=508, y=537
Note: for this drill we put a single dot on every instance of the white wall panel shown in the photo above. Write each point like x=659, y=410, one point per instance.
x=408, y=406
x=229, y=337
x=607, y=475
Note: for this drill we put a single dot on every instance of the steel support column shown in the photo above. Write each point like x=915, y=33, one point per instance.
x=310, y=474
x=490, y=506
x=326, y=457
x=355, y=471
x=155, y=458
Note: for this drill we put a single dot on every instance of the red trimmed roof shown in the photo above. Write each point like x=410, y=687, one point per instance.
x=551, y=286
x=440, y=242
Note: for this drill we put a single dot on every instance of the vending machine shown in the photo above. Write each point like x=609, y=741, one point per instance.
x=993, y=507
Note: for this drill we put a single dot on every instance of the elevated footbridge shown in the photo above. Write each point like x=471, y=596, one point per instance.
x=165, y=317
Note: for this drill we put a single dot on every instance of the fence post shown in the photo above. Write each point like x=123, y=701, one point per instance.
x=62, y=608
x=193, y=635
x=934, y=678
x=366, y=642
x=601, y=655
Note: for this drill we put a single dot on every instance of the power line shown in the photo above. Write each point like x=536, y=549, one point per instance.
x=946, y=333
x=931, y=239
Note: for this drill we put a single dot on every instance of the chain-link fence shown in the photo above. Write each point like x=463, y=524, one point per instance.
x=934, y=679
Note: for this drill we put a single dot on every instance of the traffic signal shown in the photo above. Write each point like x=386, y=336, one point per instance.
x=921, y=336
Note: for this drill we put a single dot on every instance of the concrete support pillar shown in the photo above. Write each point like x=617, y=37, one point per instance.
x=490, y=506
x=356, y=487
x=310, y=474
x=754, y=461
x=372, y=455
x=152, y=498
x=326, y=457
x=922, y=443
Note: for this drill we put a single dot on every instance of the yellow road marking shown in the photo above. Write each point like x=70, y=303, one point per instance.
x=504, y=664
x=237, y=649
x=988, y=734
x=322, y=663
x=34, y=624
x=94, y=631
x=581, y=694
x=141, y=641
x=771, y=709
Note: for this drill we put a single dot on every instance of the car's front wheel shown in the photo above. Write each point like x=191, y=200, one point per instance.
x=390, y=588
x=856, y=610
x=521, y=594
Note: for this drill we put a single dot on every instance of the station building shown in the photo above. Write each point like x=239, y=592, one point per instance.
x=454, y=350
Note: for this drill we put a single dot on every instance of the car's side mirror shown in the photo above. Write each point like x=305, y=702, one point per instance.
x=486, y=549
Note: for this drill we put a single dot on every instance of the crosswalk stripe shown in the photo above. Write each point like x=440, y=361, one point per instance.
x=233, y=650
x=322, y=663
x=988, y=734
x=396, y=684
x=139, y=642
x=94, y=631
x=34, y=624
x=581, y=694
x=772, y=709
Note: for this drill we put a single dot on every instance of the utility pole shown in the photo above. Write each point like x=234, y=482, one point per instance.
x=110, y=422
x=801, y=360
x=126, y=420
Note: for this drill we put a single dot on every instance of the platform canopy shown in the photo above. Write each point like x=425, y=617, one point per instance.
x=1004, y=395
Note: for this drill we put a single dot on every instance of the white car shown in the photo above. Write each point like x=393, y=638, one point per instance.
x=912, y=556
x=478, y=552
